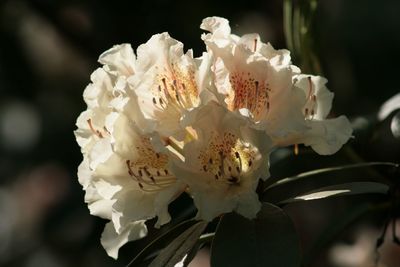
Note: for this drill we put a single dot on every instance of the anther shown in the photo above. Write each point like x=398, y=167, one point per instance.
x=255, y=45
x=96, y=132
x=309, y=87
x=105, y=129
x=164, y=83
x=128, y=164
x=314, y=98
x=233, y=179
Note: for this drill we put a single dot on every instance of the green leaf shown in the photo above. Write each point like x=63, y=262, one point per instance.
x=160, y=242
x=341, y=190
x=269, y=240
x=328, y=170
x=203, y=239
x=178, y=248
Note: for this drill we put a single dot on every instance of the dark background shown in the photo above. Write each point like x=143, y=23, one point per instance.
x=48, y=50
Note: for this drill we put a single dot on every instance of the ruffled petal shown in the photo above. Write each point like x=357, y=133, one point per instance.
x=112, y=241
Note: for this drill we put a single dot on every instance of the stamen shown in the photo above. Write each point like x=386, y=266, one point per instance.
x=309, y=87
x=128, y=164
x=233, y=179
x=107, y=131
x=96, y=132
x=239, y=168
x=164, y=83
x=255, y=45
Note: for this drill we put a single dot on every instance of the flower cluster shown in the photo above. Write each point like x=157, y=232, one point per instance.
x=161, y=123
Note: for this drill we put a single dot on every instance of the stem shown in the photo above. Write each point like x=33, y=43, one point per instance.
x=288, y=23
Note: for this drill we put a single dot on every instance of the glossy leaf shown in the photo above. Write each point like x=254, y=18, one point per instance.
x=160, y=242
x=179, y=247
x=330, y=169
x=341, y=190
x=269, y=240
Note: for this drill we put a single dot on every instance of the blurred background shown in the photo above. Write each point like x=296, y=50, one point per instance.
x=48, y=50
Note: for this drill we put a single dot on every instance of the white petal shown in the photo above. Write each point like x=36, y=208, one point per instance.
x=317, y=87
x=120, y=59
x=216, y=25
x=112, y=241
x=328, y=136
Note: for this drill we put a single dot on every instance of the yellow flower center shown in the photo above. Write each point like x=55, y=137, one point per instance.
x=149, y=169
x=227, y=158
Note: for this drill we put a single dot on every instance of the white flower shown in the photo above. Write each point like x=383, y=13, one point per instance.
x=260, y=82
x=325, y=136
x=167, y=84
x=125, y=179
x=223, y=165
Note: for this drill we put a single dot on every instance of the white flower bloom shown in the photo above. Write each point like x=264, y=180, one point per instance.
x=127, y=181
x=223, y=165
x=260, y=82
x=167, y=84
x=164, y=122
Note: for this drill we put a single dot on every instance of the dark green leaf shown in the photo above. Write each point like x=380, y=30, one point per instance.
x=330, y=169
x=203, y=239
x=178, y=248
x=269, y=240
x=341, y=190
x=160, y=242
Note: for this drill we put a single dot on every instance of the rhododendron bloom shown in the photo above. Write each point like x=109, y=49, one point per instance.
x=163, y=122
x=223, y=165
x=167, y=84
x=254, y=78
x=126, y=180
